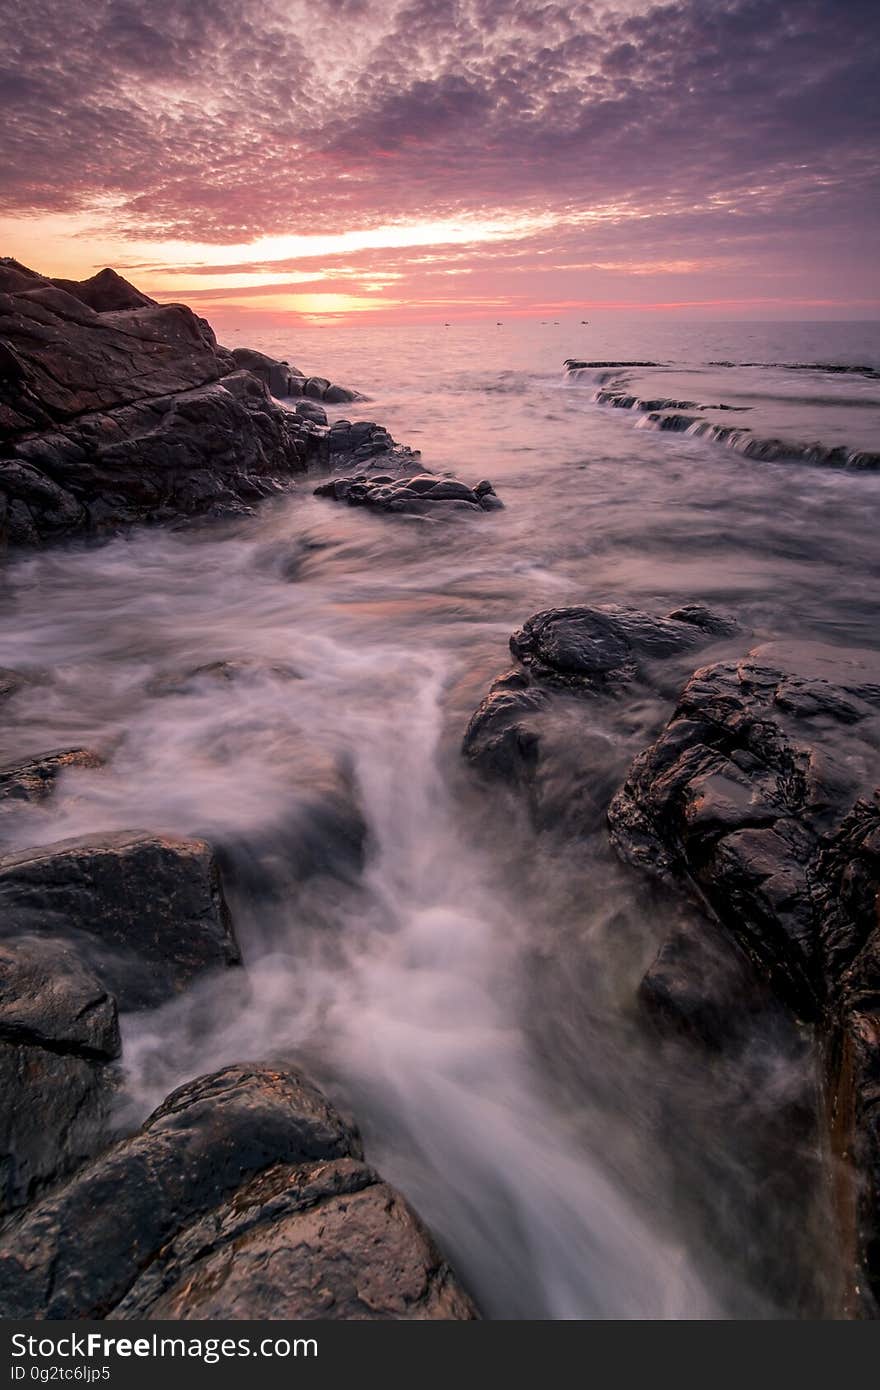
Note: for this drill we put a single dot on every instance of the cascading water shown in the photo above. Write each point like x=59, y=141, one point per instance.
x=295, y=687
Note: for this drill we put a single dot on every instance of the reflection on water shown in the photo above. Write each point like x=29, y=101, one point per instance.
x=463, y=984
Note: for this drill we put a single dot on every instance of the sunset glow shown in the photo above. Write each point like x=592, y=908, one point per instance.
x=447, y=160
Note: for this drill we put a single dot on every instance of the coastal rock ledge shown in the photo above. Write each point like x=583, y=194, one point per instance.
x=760, y=799
x=116, y=410
x=245, y=1195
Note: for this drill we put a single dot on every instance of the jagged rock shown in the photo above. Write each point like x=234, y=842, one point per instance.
x=243, y=1196
x=50, y=998
x=34, y=779
x=310, y=410
x=146, y=911
x=595, y=647
x=58, y=1032
x=423, y=495
x=115, y=410
x=215, y=449
x=106, y=292
x=581, y=651
x=364, y=445
x=61, y=359
x=277, y=376
x=760, y=799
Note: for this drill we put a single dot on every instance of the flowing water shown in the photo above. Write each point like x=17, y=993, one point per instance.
x=462, y=982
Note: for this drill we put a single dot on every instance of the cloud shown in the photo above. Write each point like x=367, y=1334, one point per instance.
x=245, y=119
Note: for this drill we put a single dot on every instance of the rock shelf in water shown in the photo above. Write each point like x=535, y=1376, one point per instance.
x=115, y=410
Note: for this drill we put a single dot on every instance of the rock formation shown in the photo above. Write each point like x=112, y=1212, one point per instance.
x=760, y=799
x=116, y=410
x=244, y=1195
x=423, y=494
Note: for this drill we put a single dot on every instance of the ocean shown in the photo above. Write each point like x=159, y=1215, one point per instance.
x=468, y=990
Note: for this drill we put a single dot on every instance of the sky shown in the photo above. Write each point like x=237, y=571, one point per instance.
x=439, y=160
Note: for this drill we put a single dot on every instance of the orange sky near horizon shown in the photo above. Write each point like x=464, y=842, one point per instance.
x=396, y=161
x=469, y=268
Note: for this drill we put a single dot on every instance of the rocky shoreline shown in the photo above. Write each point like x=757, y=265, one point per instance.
x=760, y=802
x=117, y=411
x=246, y=1194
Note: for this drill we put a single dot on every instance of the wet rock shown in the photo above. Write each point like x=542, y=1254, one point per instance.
x=336, y=395
x=315, y=387
x=33, y=780
x=280, y=378
x=50, y=998
x=310, y=410
x=422, y=495
x=146, y=911
x=363, y=445
x=579, y=651
x=215, y=450
x=703, y=987
x=595, y=647
x=55, y=1113
x=503, y=735
x=244, y=1195
x=58, y=1033
x=115, y=411
x=760, y=800
x=761, y=760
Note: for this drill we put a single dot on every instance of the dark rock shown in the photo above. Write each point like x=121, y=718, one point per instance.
x=580, y=651
x=284, y=380
x=503, y=735
x=243, y=1196
x=310, y=410
x=702, y=986
x=760, y=800
x=216, y=449
x=115, y=410
x=762, y=759
x=420, y=495
x=596, y=647
x=55, y=1110
x=279, y=377
x=50, y=998
x=336, y=395
x=315, y=387
x=146, y=911
x=63, y=360
x=58, y=1029
x=33, y=780
x=106, y=292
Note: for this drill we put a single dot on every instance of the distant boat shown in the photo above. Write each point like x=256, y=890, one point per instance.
x=499, y=324
x=585, y=320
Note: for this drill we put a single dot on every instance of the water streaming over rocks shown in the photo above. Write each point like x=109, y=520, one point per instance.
x=294, y=688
